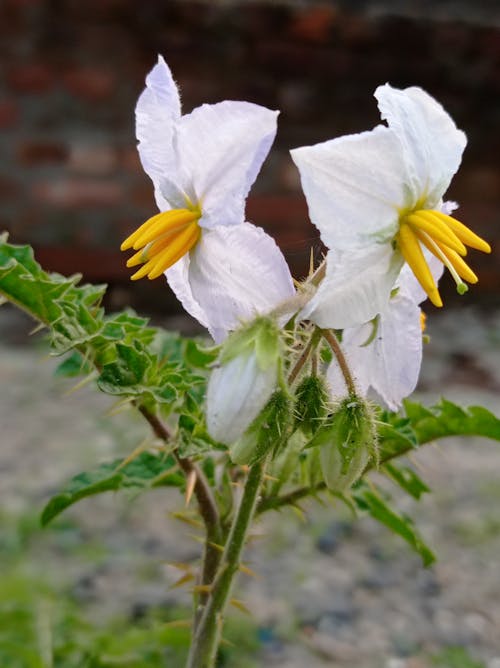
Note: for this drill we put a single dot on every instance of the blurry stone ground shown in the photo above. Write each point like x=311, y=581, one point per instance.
x=330, y=592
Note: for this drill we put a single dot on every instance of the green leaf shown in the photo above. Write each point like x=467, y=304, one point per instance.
x=371, y=502
x=197, y=356
x=406, y=478
x=145, y=471
x=448, y=419
x=395, y=437
x=73, y=365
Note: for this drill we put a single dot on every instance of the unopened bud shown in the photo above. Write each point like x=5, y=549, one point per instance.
x=347, y=441
x=243, y=380
x=311, y=404
x=267, y=433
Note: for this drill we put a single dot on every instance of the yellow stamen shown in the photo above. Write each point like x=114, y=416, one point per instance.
x=423, y=320
x=179, y=247
x=169, y=221
x=437, y=229
x=463, y=233
x=162, y=240
x=129, y=241
x=461, y=267
x=412, y=253
x=446, y=238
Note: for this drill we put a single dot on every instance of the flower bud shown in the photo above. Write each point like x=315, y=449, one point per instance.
x=267, y=433
x=347, y=441
x=311, y=404
x=243, y=380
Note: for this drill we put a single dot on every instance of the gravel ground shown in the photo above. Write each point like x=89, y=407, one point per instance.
x=330, y=592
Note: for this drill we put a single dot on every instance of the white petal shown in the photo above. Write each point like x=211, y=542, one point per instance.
x=233, y=274
x=236, y=393
x=432, y=144
x=178, y=280
x=390, y=364
x=353, y=186
x=157, y=111
x=221, y=148
x=356, y=287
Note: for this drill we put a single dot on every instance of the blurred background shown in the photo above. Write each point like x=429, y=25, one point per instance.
x=70, y=179
x=94, y=590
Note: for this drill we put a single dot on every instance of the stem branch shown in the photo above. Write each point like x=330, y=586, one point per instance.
x=332, y=340
x=206, y=637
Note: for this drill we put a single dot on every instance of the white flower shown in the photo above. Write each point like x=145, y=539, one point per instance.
x=202, y=165
x=243, y=380
x=385, y=355
x=376, y=198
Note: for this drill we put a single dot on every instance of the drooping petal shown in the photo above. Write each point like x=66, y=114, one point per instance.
x=237, y=392
x=353, y=186
x=390, y=364
x=178, y=280
x=432, y=146
x=233, y=274
x=356, y=287
x=220, y=149
x=157, y=112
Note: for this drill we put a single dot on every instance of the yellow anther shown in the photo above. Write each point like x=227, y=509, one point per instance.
x=168, y=221
x=182, y=243
x=130, y=241
x=463, y=232
x=162, y=240
x=436, y=229
x=423, y=321
x=412, y=253
x=461, y=267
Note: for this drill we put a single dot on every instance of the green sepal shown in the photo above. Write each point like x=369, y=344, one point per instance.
x=261, y=336
x=311, y=404
x=267, y=433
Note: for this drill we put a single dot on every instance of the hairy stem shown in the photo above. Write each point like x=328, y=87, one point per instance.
x=297, y=367
x=206, y=505
x=332, y=341
x=206, y=637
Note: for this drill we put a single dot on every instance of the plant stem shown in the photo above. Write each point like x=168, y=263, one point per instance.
x=206, y=637
x=332, y=340
x=311, y=345
x=206, y=505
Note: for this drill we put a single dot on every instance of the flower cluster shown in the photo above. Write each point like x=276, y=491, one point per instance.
x=377, y=201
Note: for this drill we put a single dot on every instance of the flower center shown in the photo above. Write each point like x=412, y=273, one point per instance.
x=446, y=238
x=162, y=240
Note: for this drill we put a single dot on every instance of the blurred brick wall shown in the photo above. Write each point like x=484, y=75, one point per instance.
x=70, y=73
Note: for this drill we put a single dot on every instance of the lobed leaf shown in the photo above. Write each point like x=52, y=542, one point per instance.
x=371, y=502
x=144, y=471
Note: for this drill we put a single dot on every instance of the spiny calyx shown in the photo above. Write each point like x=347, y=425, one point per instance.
x=162, y=240
x=446, y=238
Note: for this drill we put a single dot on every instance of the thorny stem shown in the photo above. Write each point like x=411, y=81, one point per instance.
x=330, y=337
x=206, y=638
x=291, y=498
x=206, y=505
x=318, y=275
x=311, y=345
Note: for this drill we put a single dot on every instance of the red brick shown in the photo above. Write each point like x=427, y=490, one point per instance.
x=9, y=113
x=129, y=159
x=40, y=152
x=90, y=158
x=90, y=83
x=30, y=78
x=8, y=188
x=314, y=24
x=79, y=193
x=142, y=195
